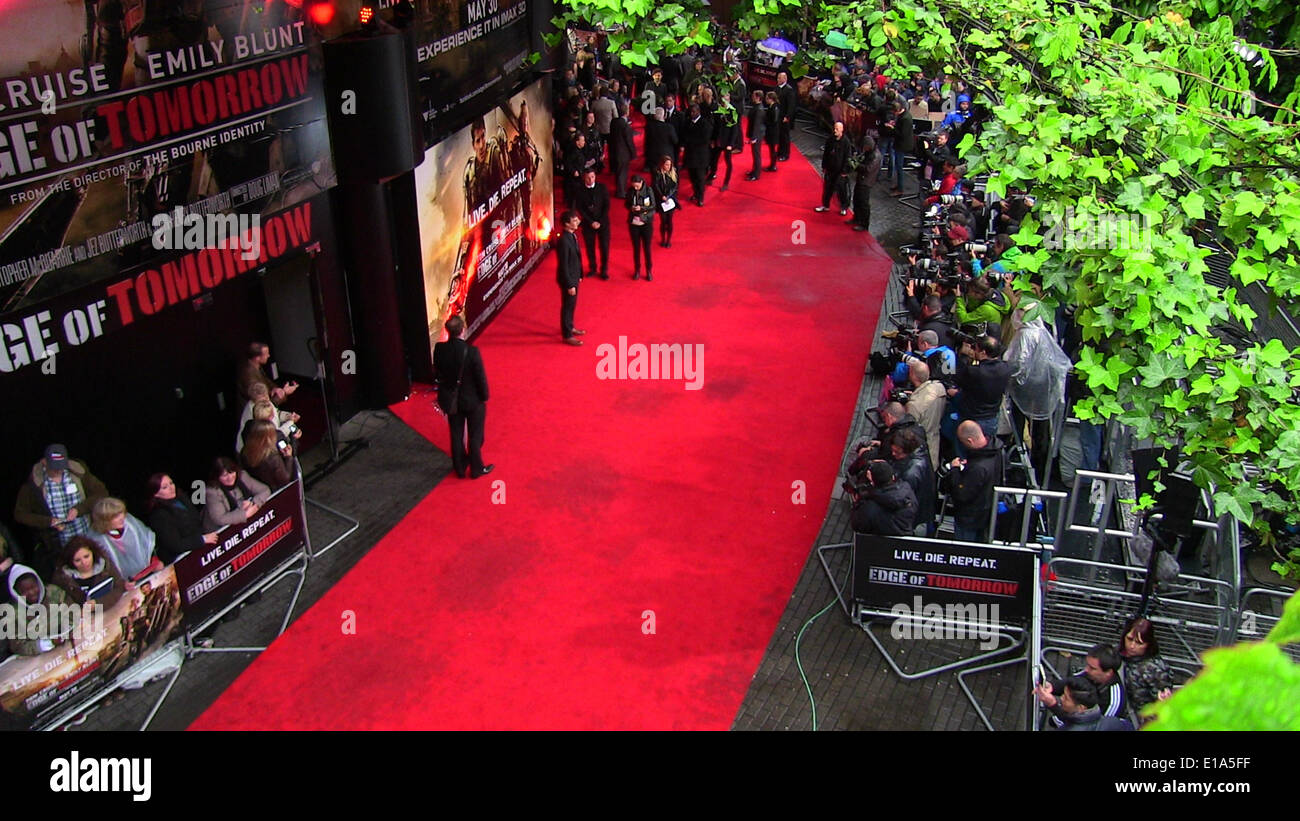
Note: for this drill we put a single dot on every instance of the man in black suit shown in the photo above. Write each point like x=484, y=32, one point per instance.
x=835, y=169
x=676, y=118
x=593, y=206
x=621, y=150
x=658, y=92
x=756, y=129
x=568, y=273
x=788, y=97
x=660, y=141
x=461, y=377
x=697, y=133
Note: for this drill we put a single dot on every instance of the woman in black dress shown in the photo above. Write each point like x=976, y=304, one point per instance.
x=773, y=133
x=641, y=205
x=175, y=521
x=665, y=190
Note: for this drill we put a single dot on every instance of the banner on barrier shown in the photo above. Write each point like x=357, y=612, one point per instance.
x=139, y=622
x=891, y=571
x=212, y=578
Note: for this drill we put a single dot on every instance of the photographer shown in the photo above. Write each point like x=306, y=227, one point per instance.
x=969, y=482
x=940, y=359
x=981, y=383
x=930, y=312
x=893, y=418
x=926, y=405
x=977, y=306
x=910, y=459
x=885, y=508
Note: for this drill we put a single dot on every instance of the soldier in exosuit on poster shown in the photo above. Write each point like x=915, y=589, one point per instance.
x=524, y=156
x=485, y=172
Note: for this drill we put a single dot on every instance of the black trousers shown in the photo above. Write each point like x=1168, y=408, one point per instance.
x=784, y=131
x=666, y=224
x=722, y=152
x=589, y=238
x=620, y=169
x=567, y=305
x=862, y=206
x=773, y=152
x=756, y=151
x=697, y=184
x=641, y=239
x=836, y=184
x=471, y=423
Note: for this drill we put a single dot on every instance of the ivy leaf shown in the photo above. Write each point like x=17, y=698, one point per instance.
x=1248, y=202
x=1160, y=369
x=1194, y=205
x=1247, y=687
x=1273, y=354
x=1287, y=630
x=1229, y=503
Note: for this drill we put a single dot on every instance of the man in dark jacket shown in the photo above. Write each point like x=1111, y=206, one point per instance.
x=621, y=150
x=1079, y=705
x=463, y=395
x=593, y=205
x=568, y=273
x=888, y=508
x=911, y=462
x=904, y=143
x=835, y=169
x=970, y=482
x=654, y=93
x=755, y=131
x=660, y=141
x=788, y=98
x=868, y=171
x=981, y=382
x=696, y=134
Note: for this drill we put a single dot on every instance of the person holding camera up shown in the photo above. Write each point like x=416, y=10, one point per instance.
x=981, y=383
x=886, y=506
x=1079, y=707
x=929, y=311
x=976, y=305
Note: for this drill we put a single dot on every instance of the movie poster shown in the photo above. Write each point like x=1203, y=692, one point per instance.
x=113, y=112
x=138, y=623
x=486, y=209
x=468, y=50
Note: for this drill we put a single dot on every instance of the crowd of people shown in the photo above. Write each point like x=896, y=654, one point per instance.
x=80, y=542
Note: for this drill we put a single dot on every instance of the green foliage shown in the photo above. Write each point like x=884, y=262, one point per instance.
x=1252, y=686
x=1119, y=113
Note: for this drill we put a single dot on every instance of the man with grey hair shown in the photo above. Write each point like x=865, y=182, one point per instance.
x=660, y=140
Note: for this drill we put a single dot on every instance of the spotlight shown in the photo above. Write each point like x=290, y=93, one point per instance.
x=320, y=12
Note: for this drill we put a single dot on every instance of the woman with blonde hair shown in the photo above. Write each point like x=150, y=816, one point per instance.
x=125, y=539
x=267, y=456
x=664, y=186
x=285, y=421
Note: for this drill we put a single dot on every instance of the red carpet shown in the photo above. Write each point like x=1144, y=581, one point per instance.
x=620, y=497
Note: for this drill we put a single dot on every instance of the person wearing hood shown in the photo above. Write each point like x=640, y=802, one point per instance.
x=888, y=508
x=128, y=541
x=86, y=572
x=56, y=500
x=27, y=590
x=957, y=118
x=1037, y=388
x=970, y=482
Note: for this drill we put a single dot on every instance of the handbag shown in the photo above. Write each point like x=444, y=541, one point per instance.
x=454, y=396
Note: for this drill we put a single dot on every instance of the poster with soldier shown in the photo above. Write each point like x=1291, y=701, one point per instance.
x=485, y=209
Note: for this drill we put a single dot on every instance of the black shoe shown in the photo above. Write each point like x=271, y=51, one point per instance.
x=724, y=187
x=590, y=274
x=751, y=178
x=484, y=472
x=636, y=275
x=604, y=276
x=460, y=474
x=648, y=277
x=860, y=228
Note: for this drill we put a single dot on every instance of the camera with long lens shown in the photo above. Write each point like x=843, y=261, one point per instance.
x=900, y=395
x=970, y=333
x=977, y=247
